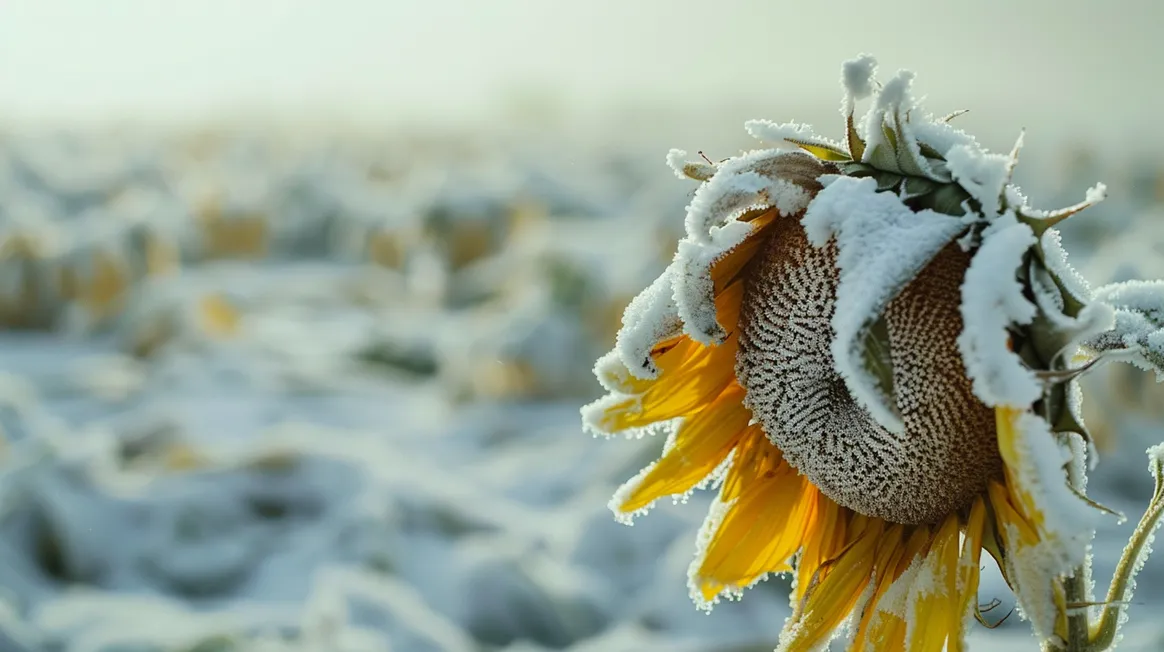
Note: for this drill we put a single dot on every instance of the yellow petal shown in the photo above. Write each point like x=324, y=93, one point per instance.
x=831, y=601
x=889, y=552
x=759, y=533
x=935, y=591
x=968, y=571
x=826, y=543
x=755, y=456
x=728, y=268
x=701, y=444
x=700, y=377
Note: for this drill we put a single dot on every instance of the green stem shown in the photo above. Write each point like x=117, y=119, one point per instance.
x=1118, y=594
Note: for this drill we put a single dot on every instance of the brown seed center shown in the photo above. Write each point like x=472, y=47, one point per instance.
x=948, y=450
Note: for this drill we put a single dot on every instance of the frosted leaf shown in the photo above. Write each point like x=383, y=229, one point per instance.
x=883, y=245
x=1060, y=293
x=651, y=317
x=1139, y=323
x=1040, y=219
x=992, y=300
x=758, y=180
x=890, y=142
x=1144, y=297
x=1055, y=258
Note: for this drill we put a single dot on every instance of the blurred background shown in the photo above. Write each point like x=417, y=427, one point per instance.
x=299, y=299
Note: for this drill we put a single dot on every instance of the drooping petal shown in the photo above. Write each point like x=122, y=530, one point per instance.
x=701, y=444
x=753, y=536
x=830, y=602
x=934, y=595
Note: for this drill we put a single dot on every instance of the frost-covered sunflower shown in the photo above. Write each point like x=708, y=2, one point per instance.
x=870, y=348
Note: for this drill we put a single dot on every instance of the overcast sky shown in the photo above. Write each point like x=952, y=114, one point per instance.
x=1066, y=64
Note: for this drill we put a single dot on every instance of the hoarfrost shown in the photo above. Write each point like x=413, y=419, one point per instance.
x=789, y=132
x=883, y=246
x=992, y=300
x=650, y=317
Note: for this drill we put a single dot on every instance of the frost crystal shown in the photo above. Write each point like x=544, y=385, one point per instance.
x=883, y=245
x=992, y=300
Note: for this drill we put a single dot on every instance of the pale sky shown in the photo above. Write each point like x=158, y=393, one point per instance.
x=1071, y=64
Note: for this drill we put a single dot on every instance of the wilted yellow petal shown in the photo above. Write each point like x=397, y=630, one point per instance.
x=755, y=455
x=968, y=571
x=758, y=534
x=701, y=443
x=831, y=600
x=828, y=540
x=889, y=551
x=934, y=593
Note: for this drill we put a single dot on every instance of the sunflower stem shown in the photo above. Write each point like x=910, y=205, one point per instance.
x=1103, y=636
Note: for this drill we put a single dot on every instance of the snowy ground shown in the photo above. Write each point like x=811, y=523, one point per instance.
x=360, y=430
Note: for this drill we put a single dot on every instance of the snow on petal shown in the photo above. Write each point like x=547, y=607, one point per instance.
x=1063, y=523
x=992, y=300
x=883, y=245
x=757, y=180
x=1036, y=459
x=694, y=287
x=651, y=317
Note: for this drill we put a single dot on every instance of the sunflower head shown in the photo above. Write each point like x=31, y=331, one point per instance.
x=869, y=348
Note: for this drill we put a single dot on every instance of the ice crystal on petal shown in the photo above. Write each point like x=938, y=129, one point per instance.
x=883, y=245
x=992, y=300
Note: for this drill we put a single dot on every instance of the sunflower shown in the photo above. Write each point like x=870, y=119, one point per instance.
x=870, y=349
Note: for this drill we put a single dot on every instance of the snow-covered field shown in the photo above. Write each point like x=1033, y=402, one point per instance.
x=262, y=394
